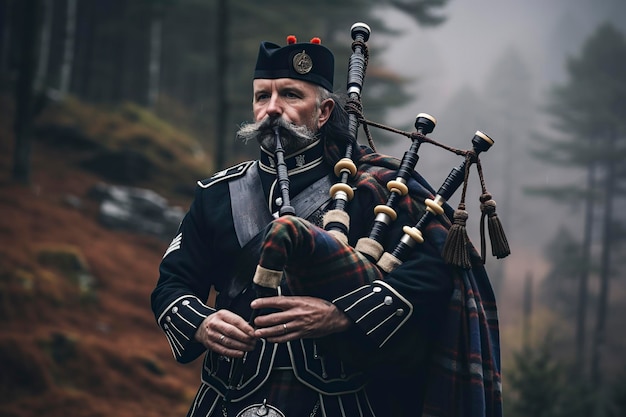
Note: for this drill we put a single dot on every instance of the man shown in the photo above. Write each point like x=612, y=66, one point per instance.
x=365, y=350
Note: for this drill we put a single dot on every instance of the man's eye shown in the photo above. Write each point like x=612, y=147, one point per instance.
x=260, y=97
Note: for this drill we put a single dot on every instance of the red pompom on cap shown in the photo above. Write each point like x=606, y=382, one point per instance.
x=291, y=39
x=316, y=41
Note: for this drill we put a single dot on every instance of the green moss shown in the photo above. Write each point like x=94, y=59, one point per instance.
x=176, y=156
x=70, y=263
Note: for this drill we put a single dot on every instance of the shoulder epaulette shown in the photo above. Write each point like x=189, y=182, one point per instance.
x=232, y=172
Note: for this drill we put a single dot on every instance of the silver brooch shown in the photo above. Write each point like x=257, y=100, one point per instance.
x=302, y=63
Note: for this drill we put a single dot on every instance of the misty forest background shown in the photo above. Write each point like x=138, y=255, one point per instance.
x=147, y=94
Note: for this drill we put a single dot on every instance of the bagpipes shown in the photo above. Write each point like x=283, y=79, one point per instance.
x=310, y=258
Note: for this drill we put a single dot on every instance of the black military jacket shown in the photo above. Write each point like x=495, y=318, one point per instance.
x=394, y=319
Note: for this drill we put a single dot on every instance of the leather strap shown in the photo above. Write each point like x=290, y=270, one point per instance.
x=247, y=191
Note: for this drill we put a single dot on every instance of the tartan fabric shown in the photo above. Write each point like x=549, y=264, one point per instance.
x=315, y=263
x=375, y=170
x=464, y=379
x=465, y=375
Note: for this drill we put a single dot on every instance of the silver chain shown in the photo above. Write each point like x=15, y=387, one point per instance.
x=315, y=408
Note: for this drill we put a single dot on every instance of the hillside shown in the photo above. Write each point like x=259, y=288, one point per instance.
x=77, y=336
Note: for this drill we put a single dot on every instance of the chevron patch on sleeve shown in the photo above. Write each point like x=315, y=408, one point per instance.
x=174, y=245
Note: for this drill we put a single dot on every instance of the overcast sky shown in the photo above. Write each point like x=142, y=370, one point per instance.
x=463, y=50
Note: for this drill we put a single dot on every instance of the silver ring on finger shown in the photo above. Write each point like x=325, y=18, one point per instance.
x=285, y=328
x=222, y=337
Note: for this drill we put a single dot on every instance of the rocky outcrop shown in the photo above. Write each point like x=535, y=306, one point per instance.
x=137, y=210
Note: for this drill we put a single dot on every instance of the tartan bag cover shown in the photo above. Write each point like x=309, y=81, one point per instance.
x=464, y=376
x=315, y=262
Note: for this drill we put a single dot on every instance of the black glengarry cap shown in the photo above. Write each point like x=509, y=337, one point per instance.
x=310, y=62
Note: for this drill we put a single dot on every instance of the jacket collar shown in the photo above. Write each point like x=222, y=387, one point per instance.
x=300, y=161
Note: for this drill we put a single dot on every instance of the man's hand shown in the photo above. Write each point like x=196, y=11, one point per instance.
x=226, y=333
x=299, y=318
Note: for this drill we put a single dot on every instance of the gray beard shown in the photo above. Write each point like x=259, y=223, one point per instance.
x=292, y=137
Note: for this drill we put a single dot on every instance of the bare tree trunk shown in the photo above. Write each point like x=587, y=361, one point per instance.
x=44, y=47
x=527, y=313
x=24, y=99
x=505, y=203
x=221, y=81
x=68, y=48
x=154, y=70
x=7, y=13
x=581, y=310
x=88, y=21
x=118, y=84
x=605, y=269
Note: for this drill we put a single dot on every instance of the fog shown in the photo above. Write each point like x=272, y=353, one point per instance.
x=460, y=55
x=461, y=51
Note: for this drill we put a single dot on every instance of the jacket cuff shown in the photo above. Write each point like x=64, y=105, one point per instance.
x=180, y=321
x=377, y=309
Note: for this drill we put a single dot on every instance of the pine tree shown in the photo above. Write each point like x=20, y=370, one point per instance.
x=536, y=379
x=590, y=112
x=541, y=386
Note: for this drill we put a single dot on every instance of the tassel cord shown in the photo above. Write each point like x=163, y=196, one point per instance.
x=499, y=244
x=455, y=249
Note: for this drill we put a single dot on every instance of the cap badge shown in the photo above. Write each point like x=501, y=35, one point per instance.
x=302, y=63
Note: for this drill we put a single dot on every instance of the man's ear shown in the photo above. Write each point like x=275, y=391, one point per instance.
x=326, y=108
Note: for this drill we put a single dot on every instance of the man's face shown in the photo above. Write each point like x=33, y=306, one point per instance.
x=293, y=100
x=294, y=106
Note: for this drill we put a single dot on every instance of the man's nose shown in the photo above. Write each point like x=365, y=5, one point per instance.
x=274, y=106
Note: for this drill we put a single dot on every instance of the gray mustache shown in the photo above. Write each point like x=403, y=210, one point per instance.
x=292, y=137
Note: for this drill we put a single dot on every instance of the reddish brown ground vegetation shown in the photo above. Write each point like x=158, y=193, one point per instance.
x=70, y=346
